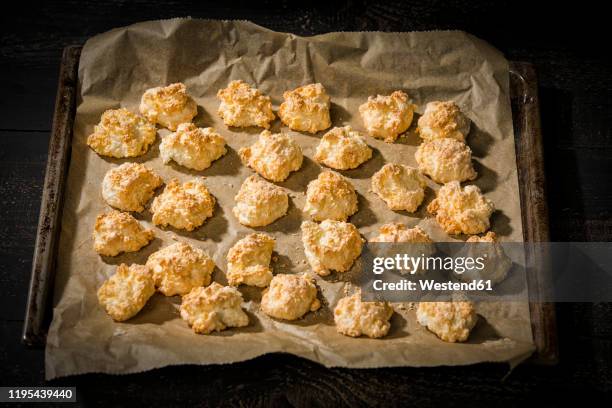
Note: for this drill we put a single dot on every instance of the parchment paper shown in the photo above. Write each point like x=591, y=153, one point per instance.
x=118, y=66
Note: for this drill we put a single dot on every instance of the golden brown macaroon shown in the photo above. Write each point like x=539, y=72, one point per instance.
x=461, y=211
x=128, y=187
x=168, y=106
x=496, y=263
x=396, y=232
x=330, y=197
x=116, y=232
x=355, y=318
x=248, y=261
x=213, y=308
x=306, y=108
x=290, y=297
x=180, y=267
x=125, y=293
x=386, y=117
x=450, y=321
x=445, y=160
x=183, y=205
x=122, y=133
x=401, y=187
x=274, y=156
x=342, y=148
x=244, y=106
x=192, y=147
x=331, y=245
x=259, y=202
x=443, y=120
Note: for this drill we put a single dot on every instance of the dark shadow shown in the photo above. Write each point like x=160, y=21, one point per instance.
x=158, y=310
x=281, y=264
x=367, y=169
x=203, y=118
x=410, y=137
x=479, y=141
x=398, y=324
x=308, y=172
x=323, y=315
x=482, y=332
x=364, y=216
x=500, y=223
x=487, y=177
x=219, y=276
x=339, y=115
x=138, y=257
x=254, y=326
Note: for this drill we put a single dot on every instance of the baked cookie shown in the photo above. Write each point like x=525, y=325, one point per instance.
x=116, y=232
x=259, y=202
x=330, y=197
x=122, y=133
x=128, y=187
x=443, y=120
x=401, y=187
x=125, y=293
x=180, y=267
x=450, y=321
x=192, y=147
x=213, y=308
x=496, y=261
x=387, y=117
x=168, y=106
x=342, y=148
x=460, y=211
x=183, y=206
x=244, y=106
x=355, y=318
x=290, y=297
x=331, y=245
x=248, y=261
x=306, y=109
x=445, y=160
x=274, y=156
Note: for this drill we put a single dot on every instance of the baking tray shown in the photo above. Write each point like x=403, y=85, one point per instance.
x=534, y=209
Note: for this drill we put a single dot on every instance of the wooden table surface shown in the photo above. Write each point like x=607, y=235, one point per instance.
x=575, y=79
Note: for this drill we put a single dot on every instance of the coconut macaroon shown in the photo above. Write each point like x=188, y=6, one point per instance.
x=445, y=160
x=496, y=262
x=330, y=197
x=183, y=205
x=259, y=202
x=274, y=156
x=290, y=297
x=355, y=318
x=244, y=106
x=450, y=321
x=192, y=147
x=401, y=187
x=461, y=211
x=213, y=308
x=248, y=261
x=397, y=232
x=443, y=120
x=128, y=187
x=168, y=106
x=122, y=133
x=116, y=232
x=387, y=117
x=180, y=267
x=342, y=148
x=331, y=245
x=306, y=108
x=125, y=293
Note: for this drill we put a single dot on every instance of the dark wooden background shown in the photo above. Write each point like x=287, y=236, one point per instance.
x=570, y=49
